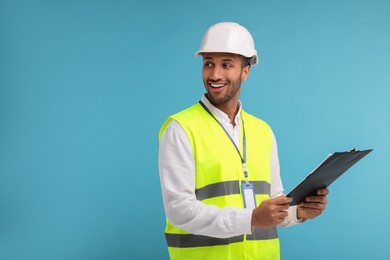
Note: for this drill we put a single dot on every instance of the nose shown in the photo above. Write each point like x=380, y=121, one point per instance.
x=216, y=73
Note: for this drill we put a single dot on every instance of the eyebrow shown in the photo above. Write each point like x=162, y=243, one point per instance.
x=224, y=59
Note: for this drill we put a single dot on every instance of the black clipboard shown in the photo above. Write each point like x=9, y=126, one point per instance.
x=327, y=172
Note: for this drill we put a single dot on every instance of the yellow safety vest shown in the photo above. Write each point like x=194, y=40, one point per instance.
x=219, y=175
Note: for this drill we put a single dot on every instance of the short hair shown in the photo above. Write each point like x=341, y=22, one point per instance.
x=245, y=61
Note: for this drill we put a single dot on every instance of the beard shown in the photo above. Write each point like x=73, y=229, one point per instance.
x=232, y=91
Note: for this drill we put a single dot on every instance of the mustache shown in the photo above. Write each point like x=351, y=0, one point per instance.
x=216, y=81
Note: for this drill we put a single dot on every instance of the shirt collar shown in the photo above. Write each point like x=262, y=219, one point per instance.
x=221, y=116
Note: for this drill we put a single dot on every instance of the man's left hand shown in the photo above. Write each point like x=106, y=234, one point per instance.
x=313, y=206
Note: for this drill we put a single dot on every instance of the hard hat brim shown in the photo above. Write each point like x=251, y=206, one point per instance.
x=253, y=60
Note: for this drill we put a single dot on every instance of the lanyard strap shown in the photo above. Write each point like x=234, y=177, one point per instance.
x=242, y=157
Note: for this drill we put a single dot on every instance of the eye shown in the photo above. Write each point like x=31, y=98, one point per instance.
x=208, y=65
x=227, y=65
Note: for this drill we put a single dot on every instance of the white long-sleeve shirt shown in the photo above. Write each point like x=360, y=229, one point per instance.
x=177, y=176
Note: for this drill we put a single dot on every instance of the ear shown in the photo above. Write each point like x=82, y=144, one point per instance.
x=245, y=72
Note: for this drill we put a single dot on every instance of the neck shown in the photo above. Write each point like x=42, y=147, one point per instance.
x=231, y=111
x=230, y=108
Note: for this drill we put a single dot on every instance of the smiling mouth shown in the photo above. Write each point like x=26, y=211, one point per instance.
x=217, y=85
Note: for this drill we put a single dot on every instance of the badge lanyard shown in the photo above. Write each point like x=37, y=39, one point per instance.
x=248, y=189
x=242, y=157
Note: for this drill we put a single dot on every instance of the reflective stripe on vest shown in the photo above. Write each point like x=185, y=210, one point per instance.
x=229, y=188
x=190, y=240
x=218, y=178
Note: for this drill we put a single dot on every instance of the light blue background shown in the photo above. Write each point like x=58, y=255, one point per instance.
x=86, y=85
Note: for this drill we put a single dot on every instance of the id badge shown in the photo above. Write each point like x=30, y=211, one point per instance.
x=248, y=193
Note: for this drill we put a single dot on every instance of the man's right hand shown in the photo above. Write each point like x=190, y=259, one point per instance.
x=271, y=212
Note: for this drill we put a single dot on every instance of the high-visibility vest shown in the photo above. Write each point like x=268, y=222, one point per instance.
x=219, y=175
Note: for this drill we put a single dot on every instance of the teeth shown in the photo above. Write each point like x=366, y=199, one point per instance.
x=217, y=85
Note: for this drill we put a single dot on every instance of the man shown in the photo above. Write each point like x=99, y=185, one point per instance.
x=219, y=167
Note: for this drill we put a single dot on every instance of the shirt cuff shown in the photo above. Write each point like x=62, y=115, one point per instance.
x=244, y=220
x=292, y=215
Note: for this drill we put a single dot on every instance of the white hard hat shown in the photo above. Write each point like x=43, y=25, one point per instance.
x=231, y=38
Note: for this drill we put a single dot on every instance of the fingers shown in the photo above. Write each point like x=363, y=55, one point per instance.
x=271, y=212
x=310, y=210
x=317, y=199
x=308, y=213
x=279, y=207
x=320, y=198
x=313, y=206
x=282, y=200
x=323, y=192
x=277, y=217
x=315, y=202
x=281, y=203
